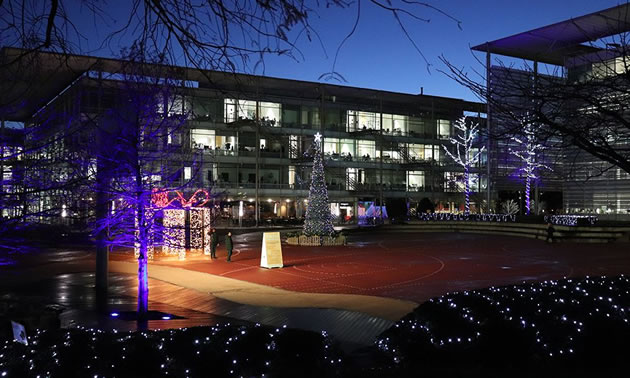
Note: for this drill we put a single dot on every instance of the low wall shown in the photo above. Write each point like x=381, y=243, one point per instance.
x=589, y=234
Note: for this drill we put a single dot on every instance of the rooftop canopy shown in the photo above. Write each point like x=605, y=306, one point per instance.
x=555, y=43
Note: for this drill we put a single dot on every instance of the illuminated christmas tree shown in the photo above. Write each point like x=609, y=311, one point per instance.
x=318, y=219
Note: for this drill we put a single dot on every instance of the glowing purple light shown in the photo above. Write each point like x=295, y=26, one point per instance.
x=114, y=314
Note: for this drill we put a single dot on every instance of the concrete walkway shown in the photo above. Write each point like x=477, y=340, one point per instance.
x=66, y=277
x=260, y=295
x=353, y=320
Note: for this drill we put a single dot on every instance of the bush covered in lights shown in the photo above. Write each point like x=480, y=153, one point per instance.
x=569, y=324
x=219, y=351
x=573, y=327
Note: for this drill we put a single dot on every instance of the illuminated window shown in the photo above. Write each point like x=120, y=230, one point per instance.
x=358, y=120
x=230, y=110
x=444, y=127
x=291, y=176
x=203, y=138
x=331, y=145
x=270, y=111
x=246, y=109
x=415, y=180
x=366, y=148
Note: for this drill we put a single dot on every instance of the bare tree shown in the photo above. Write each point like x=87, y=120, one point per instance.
x=585, y=111
x=528, y=152
x=210, y=35
x=465, y=154
x=38, y=163
x=227, y=36
x=509, y=207
x=135, y=161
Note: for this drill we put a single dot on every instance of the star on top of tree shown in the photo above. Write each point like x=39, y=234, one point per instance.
x=318, y=137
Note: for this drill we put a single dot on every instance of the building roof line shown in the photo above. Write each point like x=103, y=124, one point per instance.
x=555, y=42
x=49, y=73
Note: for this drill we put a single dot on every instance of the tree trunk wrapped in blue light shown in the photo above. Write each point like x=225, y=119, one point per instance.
x=143, y=243
x=134, y=134
x=318, y=220
x=464, y=154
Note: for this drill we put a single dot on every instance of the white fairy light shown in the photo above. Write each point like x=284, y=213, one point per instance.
x=528, y=152
x=464, y=155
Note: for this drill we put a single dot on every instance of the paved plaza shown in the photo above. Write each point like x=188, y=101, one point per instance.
x=353, y=292
x=412, y=266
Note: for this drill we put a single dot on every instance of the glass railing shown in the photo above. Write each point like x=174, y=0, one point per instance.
x=246, y=152
x=251, y=185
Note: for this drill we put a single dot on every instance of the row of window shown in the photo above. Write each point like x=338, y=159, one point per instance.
x=348, y=179
x=354, y=120
x=333, y=148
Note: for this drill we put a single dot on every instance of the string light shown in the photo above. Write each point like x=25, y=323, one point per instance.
x=318, y=218
x=193, y=352
x=528, y=151
x=196, y=228
x=556, y=317
x=207, y=225
x=467, y=217
x=570, y=220
x=148, y=216
x=464, y=155
x=175, y=232
x=554, y=321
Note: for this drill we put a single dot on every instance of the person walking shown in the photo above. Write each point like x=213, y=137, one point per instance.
x=214, y=241
x=229, y=245
x=550, y=231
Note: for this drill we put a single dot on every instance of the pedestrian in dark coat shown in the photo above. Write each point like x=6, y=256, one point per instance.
x=214, y=241
x=550, y=231
x=228, y=245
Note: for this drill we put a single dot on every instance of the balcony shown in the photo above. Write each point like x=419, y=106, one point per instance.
x=244, y=152
x=335, y=186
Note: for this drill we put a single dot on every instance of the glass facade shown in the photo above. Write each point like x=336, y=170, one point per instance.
x=256, y=148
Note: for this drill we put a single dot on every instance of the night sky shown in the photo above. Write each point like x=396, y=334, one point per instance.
x=379, y=56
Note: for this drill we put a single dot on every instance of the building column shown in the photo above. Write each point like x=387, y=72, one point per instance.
x=381, y=204
x=2, y=142
x=258, y=123
x=102, y=208
x=536, y=191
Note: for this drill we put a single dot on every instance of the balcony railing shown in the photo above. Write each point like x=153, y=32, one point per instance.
x=334, y=186
x=245, y=152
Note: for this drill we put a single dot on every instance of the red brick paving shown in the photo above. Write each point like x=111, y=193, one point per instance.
x=414, y=266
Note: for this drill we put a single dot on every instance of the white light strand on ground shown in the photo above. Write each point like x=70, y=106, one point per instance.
x=570, y=220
